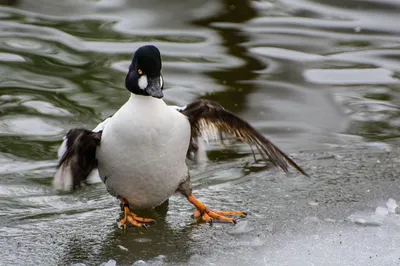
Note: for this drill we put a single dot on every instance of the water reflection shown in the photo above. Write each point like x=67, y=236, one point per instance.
x=132, y=245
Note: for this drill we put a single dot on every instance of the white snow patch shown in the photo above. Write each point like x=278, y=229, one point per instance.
x=109, y=263
x=391, y=206
x=139, y=263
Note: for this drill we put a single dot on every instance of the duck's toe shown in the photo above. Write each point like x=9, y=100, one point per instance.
x=209, y=216
x=131, y=219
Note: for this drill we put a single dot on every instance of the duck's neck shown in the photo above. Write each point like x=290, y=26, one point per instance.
x=141, y=100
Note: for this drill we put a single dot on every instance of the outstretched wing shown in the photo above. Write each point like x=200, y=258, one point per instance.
x=63, y=147
x=78, y=158
x=209, y=120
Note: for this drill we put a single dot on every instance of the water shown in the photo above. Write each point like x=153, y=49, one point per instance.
x=319, y=78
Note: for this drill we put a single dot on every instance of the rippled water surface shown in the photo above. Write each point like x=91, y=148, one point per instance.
x=319, y=78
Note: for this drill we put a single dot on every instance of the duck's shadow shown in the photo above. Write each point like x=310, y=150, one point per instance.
x=160, y=241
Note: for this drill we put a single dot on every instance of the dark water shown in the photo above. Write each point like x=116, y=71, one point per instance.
x=319, y=78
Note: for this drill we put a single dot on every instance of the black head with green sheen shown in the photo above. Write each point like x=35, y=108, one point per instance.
x=144, y=75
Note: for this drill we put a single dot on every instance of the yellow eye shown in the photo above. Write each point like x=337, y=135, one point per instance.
x=140, y=72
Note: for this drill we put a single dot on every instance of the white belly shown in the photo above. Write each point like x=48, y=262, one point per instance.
x=142, y=156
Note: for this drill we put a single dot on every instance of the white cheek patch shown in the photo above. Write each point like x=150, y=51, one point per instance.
x=161, y=82
x=143, y=82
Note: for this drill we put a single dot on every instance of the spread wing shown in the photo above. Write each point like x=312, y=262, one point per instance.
x=210, y=120
x=68, y=176
x=63, y=147
x=78, y=158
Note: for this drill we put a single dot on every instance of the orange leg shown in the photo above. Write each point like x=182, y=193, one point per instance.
x=132, y=219
x=209, y=216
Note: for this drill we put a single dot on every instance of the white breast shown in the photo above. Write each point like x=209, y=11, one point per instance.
x=143, y=151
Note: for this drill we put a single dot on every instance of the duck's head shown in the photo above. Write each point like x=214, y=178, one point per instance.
x=144, y=74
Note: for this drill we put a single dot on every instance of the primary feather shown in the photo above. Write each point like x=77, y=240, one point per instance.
x=209, y=119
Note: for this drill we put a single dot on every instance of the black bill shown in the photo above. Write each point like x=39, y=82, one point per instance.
x=154, y=87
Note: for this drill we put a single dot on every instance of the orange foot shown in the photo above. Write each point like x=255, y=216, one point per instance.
x=209, y=216
x=132, y=219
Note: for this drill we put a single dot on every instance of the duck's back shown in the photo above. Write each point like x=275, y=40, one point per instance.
x=143, y=151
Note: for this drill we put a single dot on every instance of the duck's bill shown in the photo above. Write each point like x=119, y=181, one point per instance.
x=154, y=88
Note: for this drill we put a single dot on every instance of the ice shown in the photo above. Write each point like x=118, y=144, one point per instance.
x=241, y=228
x=391, y=205
x=381, y=211
x=341, y=243
x=157, y=261
x=139, y=263
x=109, y=263
x=311, y=219
x=123, y=248
x=366, y=219
x=321, y=241
x=366, y=237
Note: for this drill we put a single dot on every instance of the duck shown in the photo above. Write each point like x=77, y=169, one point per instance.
x=141, y=151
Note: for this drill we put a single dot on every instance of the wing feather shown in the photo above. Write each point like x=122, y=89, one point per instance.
x=78, y=159
x=208, y=119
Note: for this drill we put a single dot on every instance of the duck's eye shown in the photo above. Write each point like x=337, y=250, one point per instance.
x=140, y=72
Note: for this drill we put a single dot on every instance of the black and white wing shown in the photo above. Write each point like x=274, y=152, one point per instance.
x=209, y=120
x=77, y=157
x=78, y=160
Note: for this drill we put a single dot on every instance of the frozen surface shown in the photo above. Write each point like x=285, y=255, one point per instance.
x=338, y=242
x=364, y=238
x=345, y=214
